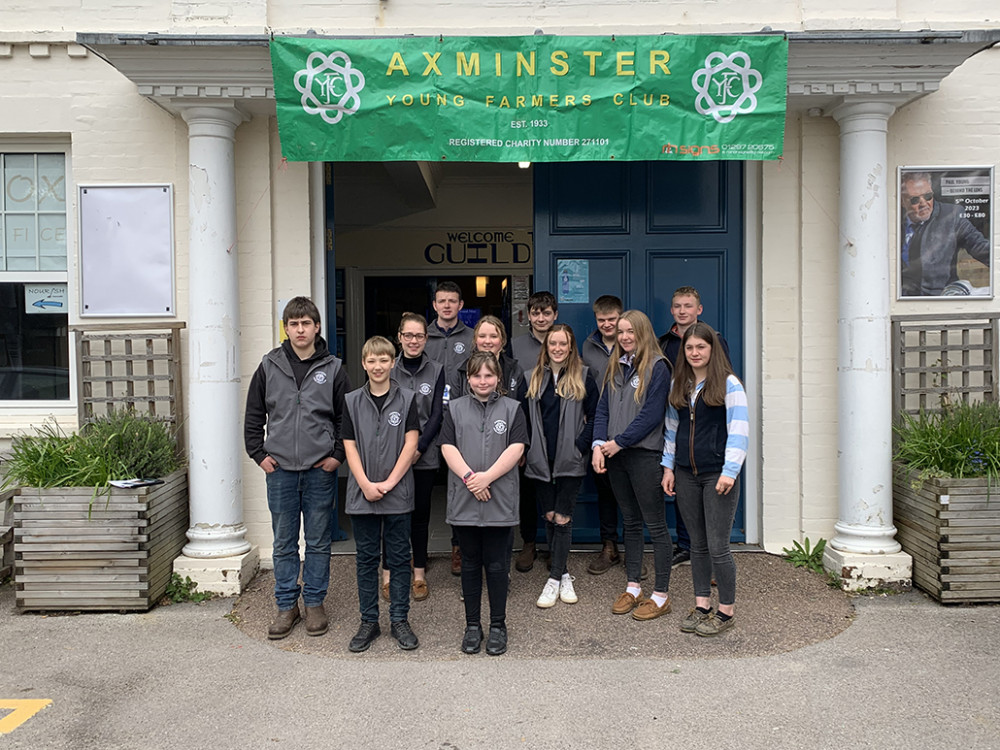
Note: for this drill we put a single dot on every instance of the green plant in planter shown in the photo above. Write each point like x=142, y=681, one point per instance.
x=121, y=445
x=960, y=441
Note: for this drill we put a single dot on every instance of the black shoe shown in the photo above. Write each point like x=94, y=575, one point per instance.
x=680, y=556
x=365, y=636
x=473, y=639
x=496, y=644
x=404, y=635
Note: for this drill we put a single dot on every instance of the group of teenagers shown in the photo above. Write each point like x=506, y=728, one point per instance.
x=517, y=433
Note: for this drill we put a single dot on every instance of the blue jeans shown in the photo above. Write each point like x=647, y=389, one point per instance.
x=306, y=496
x=371, y=530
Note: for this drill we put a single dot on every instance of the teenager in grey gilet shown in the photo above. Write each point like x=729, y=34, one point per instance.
x=423, y=382
x=561, y=430
x=626, y=436
x=568, y=461
x=379, y=436
x=482, y=433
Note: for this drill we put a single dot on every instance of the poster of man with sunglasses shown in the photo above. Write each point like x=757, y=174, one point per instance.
x=945, y=232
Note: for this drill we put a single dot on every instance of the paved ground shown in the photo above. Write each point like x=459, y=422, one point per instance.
x=780, y=608
x=900, y=672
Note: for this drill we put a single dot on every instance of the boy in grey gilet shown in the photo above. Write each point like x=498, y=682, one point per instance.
x=380, y=431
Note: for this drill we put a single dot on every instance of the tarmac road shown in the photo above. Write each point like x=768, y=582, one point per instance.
x=906, y=673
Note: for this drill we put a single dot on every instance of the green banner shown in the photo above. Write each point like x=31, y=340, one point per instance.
x=532, y=98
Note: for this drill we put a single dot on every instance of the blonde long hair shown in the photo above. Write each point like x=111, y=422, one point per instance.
x=570, y=383
x=647, y=352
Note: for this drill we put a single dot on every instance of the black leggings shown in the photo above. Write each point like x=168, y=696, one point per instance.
x=485, y=547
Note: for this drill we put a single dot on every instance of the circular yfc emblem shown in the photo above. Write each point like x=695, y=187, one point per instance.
x=634, y=382
x=425, y=389
x=319, y=377
x=459, y=347
x=726, y=86
x=330, y=86
x=395, y=419
x=499, y=427
x=513, y=384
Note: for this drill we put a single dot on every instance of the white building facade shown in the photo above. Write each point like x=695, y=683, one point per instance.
x=181, y=93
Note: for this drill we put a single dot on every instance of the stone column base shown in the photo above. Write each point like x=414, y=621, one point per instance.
x=858, y=571
x=226, y=576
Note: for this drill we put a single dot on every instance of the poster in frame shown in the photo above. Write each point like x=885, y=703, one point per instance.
x=945, y=236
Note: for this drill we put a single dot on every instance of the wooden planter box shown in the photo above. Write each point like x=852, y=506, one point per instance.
x=74, y=551
x=951, y=528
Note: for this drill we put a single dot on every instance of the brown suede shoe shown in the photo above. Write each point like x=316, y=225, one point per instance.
x=607, y=557
x=283, y=623
x=316, y=622
x=626, y=603
x=648, y=610
x=420, y=590
x=525, y=559
x=456, y=561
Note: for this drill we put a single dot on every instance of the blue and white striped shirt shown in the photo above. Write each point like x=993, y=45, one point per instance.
x=737, y=427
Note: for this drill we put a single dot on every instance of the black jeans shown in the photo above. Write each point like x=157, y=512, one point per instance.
x=709, y=517
x=558, y=497
x=635, y=475
x=528, y=509
x=489, y=548
x=423, y=487
x=607, y=508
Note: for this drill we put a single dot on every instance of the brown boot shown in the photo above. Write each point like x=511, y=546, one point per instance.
x=526, y=557
x=316, y=622
x=283, y=623
x=456, y=561
x=603, y=561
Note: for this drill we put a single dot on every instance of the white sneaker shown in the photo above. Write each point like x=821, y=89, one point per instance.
x=566, y=592
x=549, y=594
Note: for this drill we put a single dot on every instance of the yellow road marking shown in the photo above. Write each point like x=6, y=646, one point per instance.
x=21, y=711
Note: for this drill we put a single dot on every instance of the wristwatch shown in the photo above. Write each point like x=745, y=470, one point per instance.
x=468, y=474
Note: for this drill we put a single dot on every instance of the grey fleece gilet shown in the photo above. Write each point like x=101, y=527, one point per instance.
x=379, y=437
x=422, y=383
x=595, y=356
x=481, y=435
x=569, y=462
x=622, y=409
x=451, y=351
x=301, y=426
x=525, y=349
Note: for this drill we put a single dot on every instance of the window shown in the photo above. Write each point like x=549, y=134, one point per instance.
x=34, y=320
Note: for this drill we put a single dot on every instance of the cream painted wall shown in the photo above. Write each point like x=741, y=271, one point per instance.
x=60, y=95
x=781, y=334
x=60, y=20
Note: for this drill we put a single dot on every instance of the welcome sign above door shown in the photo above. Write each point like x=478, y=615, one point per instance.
x=534, y=98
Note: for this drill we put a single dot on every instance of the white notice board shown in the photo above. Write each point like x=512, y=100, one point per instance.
x=127, y=250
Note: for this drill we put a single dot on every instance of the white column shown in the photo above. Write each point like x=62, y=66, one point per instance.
x=213, y=388
x=864, y=551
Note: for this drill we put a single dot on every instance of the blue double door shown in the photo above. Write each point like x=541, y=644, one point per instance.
x=639, y=230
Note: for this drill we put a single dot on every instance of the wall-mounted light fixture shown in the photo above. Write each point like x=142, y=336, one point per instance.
x=481, y=282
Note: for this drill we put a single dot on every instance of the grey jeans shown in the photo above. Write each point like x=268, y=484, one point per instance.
x=709, y=520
